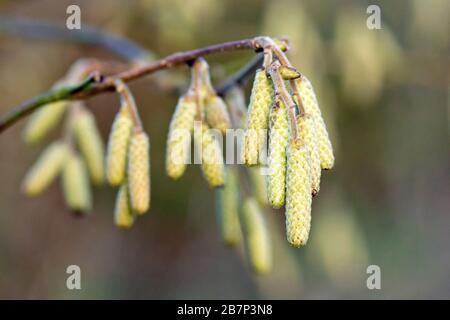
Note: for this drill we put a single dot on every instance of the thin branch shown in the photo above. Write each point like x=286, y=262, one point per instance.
x=42, y=30
x=62, y=93
x=90, y=88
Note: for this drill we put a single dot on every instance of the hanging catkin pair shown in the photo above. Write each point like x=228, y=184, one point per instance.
x=199, y=113
x=128, y=161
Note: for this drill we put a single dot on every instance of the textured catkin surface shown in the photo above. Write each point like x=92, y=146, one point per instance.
x=261, y=100
x=91, y=144
x=123, y=215
x=278, y=140
x=312, y=107
x=211, y=154
x=257, y=236
x=139, y=172
x=43, y=120
x=76, y=184
x=116, y=155
x=298, y=194
x=307, y=130
x=227, y=208
x=47, y=167
x=179, y=138
x=216, y=113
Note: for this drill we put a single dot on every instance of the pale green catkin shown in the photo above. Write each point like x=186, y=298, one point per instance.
x=311, y=106
x=77, y=191
x=257, y=236
x=123, y=214
x=46, y=168
x=179, y=138
x=90, y=143
x=227, y=208
x=211, y=154
x=258, y=183
x=139, y=172
x=278, y=140
x=298, y=193
x=116, y=155
x=261, y=100
x=216, y=113
x=43, y=120
x=307, y=130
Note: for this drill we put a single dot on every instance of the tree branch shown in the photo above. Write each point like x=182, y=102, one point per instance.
x=90, y=88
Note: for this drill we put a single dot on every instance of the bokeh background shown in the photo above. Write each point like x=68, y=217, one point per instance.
x=385, y=95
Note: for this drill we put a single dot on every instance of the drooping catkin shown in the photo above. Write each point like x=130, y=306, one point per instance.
x=76, y=186
x=179, y=138
x=258, y=117
x=257, y=236
x=216, y=113
x=298, y=193
x=90, y=143
x=211, y=154
x=258, y=183
x=227, y=208
x=139, y=171
x=123, y=214
x=311, y=106
x=116, y=155
x=43, y=120
x=46, y=168
x=278, y=140
x=307, y=130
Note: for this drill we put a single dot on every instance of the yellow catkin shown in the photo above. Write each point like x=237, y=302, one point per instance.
x=211, y=155
x=258, y=117
x=298, y=194
x=227, y=209
x=123, y=214
x=216, y=113
x=46, y=168
x=179, y=138
x=139, y=172
x=307, y=130
x=116, y=155
x=256, y=236
x=43, y=120
x=311, y=106
x=278, y=140
x=258, y=183
x=76, y=186
x=90, y=143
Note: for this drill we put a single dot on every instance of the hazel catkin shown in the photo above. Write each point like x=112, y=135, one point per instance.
x=46, y=168
x=211, y=154
x=298, y=193
x=227, y=208
x=179, y=138
x=307, y=131
x=76, y=186
x=216, y=113
x=43, y=120
x=139, y=171
x=258, y=117
x=90, y=143
x=116, y=155
x=311, y=106
x=256, y=236
x=123, y=214
x=278, y=140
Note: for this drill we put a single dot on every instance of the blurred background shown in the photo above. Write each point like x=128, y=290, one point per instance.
x=385, y=96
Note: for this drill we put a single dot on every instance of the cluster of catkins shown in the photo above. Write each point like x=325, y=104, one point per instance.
x=79, y=154
x=298, y=145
